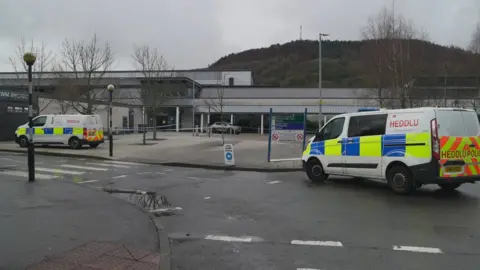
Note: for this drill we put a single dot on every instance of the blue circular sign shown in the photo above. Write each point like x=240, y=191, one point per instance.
x=228, y=156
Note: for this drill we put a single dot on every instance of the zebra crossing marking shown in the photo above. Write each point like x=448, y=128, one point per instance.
x=123, y=162
x=25, y=174
x=109, y=165
x=83, y=167
x=58, y=171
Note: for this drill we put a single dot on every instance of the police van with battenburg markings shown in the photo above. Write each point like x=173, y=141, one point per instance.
x=72, y=130
x=407, y=148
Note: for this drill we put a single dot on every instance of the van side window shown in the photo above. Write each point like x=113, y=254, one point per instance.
x=367, y=125
x=39, y=121
x=332, y=130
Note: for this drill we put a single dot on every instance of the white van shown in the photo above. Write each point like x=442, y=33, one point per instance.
x=407, y=148
x=74, y=130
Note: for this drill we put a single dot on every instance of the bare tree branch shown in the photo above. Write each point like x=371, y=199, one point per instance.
x=397, y=51
x=154, y=69
x=43, y=63
x=217, y=103
x=84, y=63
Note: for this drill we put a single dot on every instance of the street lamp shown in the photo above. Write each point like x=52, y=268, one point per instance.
x=110, y=88
x=29, y=59
x=320, y=101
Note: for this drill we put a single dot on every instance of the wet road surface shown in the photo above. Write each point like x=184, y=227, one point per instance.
x=246, y=220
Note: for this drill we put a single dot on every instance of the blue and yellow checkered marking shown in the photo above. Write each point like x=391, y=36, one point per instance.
x=51, y=131
x=391, y=145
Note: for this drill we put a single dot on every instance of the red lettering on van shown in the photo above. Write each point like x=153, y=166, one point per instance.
x=73, y=121
x=404, y=123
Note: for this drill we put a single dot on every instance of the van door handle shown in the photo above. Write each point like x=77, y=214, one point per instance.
x=339, y=141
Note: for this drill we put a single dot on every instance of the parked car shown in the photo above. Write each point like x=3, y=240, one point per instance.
x=219, y=127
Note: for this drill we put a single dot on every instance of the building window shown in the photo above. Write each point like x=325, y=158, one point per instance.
x=231, y=81
x=18, y=109
x=10, y=109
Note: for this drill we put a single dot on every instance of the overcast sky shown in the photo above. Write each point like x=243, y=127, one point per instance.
x=195, y=33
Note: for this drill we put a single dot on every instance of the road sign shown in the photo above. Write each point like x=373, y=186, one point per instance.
x=288, y=127
x=228, y=154
x=275, y=137
x=299, y=137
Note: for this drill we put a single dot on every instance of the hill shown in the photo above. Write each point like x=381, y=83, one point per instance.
x=295, y=64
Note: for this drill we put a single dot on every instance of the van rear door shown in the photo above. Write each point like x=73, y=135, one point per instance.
x=459, y=132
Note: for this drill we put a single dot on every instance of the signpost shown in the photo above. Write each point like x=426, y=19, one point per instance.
x=286, y=127
x=228, y=154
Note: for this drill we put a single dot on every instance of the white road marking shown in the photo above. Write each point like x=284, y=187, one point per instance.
x=317, y=243
x=308, y=269
x=165, y=209
x=194, y=178
x=161, y=173
x=61, y=161
x=225, y=238
x=25, y=174
x=274, y=182
x=124, y=163
x=207, y=198
x=168, y=170
x=141, y=173
x=418, y=249
x=120, y=176
x=58, y=171
x=108, y=165
x=18, y=161
x=88, y=181
x=81, y=158
x=83, y=167
x=8, y=166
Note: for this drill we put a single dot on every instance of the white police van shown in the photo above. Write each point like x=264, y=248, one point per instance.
x=407, y=148
x=73, y=130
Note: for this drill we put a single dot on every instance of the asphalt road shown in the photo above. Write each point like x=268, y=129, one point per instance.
x=246, y=220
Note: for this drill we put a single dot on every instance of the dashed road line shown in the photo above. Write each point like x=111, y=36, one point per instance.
x=193, y=178
x=418, y=249
x=247, y=239
x=120, y=176
x=207, y=198
x=168, y=170
x=317, y=243
x=142, y=173
x=309, y=269
x=273, y=182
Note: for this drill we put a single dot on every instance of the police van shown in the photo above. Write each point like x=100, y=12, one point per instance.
x=407, y=148
x=72, y=130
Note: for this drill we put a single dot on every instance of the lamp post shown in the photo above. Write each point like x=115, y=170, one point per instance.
x=110, y=88
x=320, y=90
x=30, y=59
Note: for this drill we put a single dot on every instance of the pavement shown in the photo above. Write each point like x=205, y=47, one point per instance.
x=58, y=222
x=220, y=219
x=183, y=149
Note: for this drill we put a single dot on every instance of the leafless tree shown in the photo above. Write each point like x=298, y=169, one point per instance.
x=217, y=103
x=475, y=42
x=397, y=51
x=43, y=63
x=84, y=63
x=154, y=68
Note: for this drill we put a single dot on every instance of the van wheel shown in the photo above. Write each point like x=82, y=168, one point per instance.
x=74, y=143
x=315, y=171
x=93, y=145
x=23, y=141
x=400, y=180
x=449, y=186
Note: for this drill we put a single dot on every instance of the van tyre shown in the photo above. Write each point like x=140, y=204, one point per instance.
x=449, y=186
x=315, y=171
x=74, y=143
x=400, y=180
x=23, y=141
